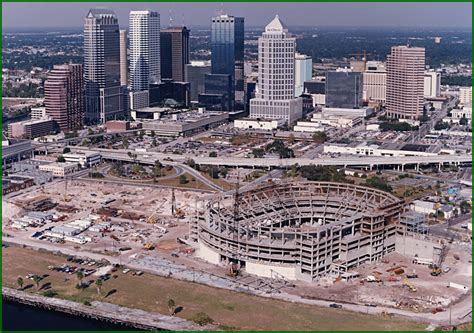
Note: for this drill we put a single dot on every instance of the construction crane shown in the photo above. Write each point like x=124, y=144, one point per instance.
x=436, y=268
x=361, y=56
x=234, y=267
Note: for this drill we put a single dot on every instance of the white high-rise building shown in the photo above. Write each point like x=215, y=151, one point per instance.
x=432, y=84
x=275, y=93
x=303, y=72
x=374, y=80
x=465, y=95
x=144, y=34
x=405, y=80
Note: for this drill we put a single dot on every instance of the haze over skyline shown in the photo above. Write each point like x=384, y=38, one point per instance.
x=54, y=14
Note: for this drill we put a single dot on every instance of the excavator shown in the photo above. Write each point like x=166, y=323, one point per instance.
x=233, y=270
x=409, y=285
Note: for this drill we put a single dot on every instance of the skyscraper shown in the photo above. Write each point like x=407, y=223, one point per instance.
x=275, y=94
x=344, y=89
x=123, y=58
x=174, y=52
x=227, y=53
x=64, y=96
x=104, y=96
x=144, y=27
x=303, y=72
x=195, y=73
x=405, y=81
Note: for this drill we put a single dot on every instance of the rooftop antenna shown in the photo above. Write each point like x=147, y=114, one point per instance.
x=221, y=12
x=182, y=20
x=171, y=19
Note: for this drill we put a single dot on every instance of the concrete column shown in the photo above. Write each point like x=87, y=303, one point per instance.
x=439, y=166
x=403, y=167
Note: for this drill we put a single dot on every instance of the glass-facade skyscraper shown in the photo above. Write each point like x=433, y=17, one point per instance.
x=344, y=90
x=104, y=98
x=227, y=53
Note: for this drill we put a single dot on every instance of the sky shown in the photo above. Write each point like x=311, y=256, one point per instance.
x=64, y=14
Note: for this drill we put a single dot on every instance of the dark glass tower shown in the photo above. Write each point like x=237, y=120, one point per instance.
x=227, y=51
x=103, y=92
x=174, y=52
x=344, y=90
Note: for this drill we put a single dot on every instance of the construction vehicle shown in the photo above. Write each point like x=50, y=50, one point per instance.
x=233, y=270
x=413, y=275
x=148, y=246
x=407, y=283
x=179, y=213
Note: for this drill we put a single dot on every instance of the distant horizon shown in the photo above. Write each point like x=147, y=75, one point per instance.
x=248, y=27
x=408, y=15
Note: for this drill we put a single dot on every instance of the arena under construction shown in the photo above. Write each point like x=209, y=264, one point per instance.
x=297, y=231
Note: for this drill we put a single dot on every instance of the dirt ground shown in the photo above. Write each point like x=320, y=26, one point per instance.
x=230, y=309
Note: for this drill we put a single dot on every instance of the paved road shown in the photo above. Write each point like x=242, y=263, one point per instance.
x=344, y=161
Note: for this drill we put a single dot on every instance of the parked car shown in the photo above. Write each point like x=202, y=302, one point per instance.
x=335, y=306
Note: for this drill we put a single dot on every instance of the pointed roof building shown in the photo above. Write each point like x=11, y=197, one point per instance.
x=276, y=25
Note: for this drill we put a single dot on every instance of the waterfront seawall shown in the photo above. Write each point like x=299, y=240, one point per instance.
x=133, y=318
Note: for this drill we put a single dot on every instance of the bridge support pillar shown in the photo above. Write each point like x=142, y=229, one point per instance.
x=417, y=167
x=439, y=166
x=403, y=167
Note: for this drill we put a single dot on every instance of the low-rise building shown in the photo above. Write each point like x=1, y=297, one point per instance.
x=186, y=123
x=84, y=159
x=31, y=129
x=60, y=169
x=387, y=149
x=424, y=207
x=263, y=124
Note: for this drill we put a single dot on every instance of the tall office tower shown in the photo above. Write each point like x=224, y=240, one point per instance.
x=123, y=58
x=303, y=72
x=374, y=80
x=343, y=90
x=64, y=96
x=405, y=79
x=174, y=44
x=275, y=93
x=195, y=73
x=144, y=28
x=432, y=84
x=227, y=51
x=105, y=98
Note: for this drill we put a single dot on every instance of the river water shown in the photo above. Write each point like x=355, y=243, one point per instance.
x=23, y=317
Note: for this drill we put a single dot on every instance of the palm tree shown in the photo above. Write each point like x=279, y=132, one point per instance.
x=37, y=280
x=19, y=282
x=171, y=306
x=80, y=276
x=98, y=284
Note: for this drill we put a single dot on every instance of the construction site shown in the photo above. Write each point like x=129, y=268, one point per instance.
x=307, y=242
x=300, y=231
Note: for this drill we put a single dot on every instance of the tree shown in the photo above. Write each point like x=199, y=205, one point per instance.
x=98, y=284
x=80, y=276
x=258, y=152
x=378, y=183
x=137, y=169
x=465, y=207
x=171, y=306
x=66, y=150
x=37, y=279
x=213, y=154
x=320, y=137
x=157, y=169
x=202, y=318
x=152, y=134
x=182, y=179
x=20, y=282
x=441, y=125
x=61, y=159
x=190, y=162
x=214, y=172
x=154, y=143
x=463, y=121
x=125, y=143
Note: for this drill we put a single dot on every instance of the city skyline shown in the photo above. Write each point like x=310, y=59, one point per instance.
x=25, y=15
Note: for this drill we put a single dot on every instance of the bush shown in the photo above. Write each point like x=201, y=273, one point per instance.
x=50, y=293
x=212, y=154
x=87, y=303
x=183, y=180
x=379, y=183
x=202, y=318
